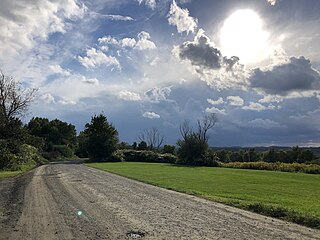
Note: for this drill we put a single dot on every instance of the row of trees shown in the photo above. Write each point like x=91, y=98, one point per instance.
x=57, y=139
x=295, y=154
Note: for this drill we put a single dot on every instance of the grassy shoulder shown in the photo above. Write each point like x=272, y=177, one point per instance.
x=23, y=168
x=6, y=174
x=289, y=196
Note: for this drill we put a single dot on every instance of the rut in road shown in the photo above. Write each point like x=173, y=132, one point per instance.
x=70, y=201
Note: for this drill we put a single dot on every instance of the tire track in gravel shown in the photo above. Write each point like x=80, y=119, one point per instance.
x=70, y=201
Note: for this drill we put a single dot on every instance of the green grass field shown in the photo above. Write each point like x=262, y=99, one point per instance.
x=290, y=196
x=6, y=174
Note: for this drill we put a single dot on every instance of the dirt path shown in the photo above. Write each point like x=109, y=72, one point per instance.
x=70, y=201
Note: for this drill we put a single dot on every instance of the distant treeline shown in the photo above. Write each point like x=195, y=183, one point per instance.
x=290, y=155
x=315, y=150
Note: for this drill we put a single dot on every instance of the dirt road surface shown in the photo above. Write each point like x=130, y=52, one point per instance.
x=72, y=201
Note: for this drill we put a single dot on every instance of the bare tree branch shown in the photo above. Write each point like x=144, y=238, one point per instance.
x=185, y=129
x=14, y=100
x=152, y=137
x=203, y=126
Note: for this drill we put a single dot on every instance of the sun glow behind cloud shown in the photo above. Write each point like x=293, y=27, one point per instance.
x=242, y=35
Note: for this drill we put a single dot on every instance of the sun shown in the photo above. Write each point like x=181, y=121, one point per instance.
x=242, y=35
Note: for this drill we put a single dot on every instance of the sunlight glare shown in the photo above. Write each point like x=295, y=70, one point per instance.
x=242, y=35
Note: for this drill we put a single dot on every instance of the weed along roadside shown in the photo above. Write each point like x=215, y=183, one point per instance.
x=277, y=194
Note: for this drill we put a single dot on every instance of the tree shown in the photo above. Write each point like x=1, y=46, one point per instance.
x=14, y=99
x=204, y=125
x=169, y=149
x=142, y=145
x=194, y=144
x=191, y=149
x=55, y=132
x=101, y=138
x=152, y=137
x=14, y=102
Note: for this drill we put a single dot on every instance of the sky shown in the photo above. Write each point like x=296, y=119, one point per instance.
x=156, y=63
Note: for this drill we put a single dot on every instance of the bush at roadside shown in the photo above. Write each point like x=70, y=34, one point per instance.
x=284, y=167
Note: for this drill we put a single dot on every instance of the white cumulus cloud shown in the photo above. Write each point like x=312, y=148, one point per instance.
x=25, y=23
x=129, y=96
x=235, y=101
x=143, y=41
x=258, y=107
x=216, y=110
x=158, y=94
x=151, y=115
x=96, y=57
x=47, y=98
x=216, y=102
x=180, y=18
x=150, y=3
x=57, y=69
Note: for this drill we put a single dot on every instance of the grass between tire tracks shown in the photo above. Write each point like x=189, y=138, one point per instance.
x=289, y=196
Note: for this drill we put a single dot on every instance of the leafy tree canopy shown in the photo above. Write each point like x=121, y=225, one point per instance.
x=100, y=138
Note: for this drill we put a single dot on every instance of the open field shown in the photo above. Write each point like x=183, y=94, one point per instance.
x=291, y=196
x=72, y=201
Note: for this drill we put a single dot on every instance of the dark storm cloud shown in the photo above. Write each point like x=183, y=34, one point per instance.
x=202, y=53
x=296, y=75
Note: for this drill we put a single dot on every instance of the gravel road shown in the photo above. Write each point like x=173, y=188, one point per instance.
x=72, y=201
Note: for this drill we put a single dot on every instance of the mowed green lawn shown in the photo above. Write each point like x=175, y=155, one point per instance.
x=293, y=191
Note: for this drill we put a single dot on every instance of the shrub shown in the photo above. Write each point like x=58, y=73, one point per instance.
x=131, y=155
x=118, y=156
x=63, y=151
x=169, y=149
x=284, y=167
x=191, y=150
x=8, y=160
x=30, y=155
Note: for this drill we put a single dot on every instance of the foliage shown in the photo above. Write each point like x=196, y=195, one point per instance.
x=142, y=146
x=26, y=156
x=147, y=156
x=57, y=138
x=124, y=145
x=281, y=194
x=8, y=160
x=81, y=150
x=30, y=155
x=6, y=174
x=54, y=132
x=14, y=99
x=294, y=155
x=193, y=147
x=100, y=138
x=169, y=149
x=284, y=167
x=191, y=150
